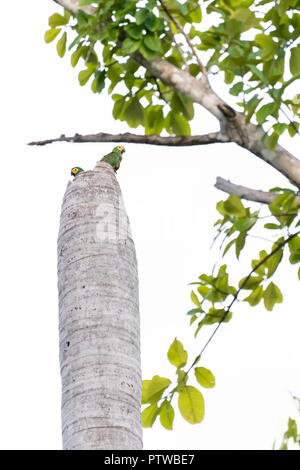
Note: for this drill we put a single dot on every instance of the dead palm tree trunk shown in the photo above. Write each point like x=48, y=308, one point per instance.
x=98, y=317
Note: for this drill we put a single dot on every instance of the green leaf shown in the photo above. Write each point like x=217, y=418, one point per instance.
x=152, y=23
x=74, y=42
x=260, y=269
x=251, y=106
x=236, y=89
x=195, y=299
x=61, y=45
x=98, y=83
x=267, y=46
x=252, y=283
x=134, y=113
x=84, y=75
x=153, y=389
x=246, y=17
x=295, y=60
x=166, y=415
x=272, y=295
x=294, y=244
x=57, y=20
x=255, y=297
x=149, y=415
x=293, y=127
x=294, y=247
x=82, y=18
x=191, y=404
x=233, y=205
x=295, y=257
x=273, y=70
x=141, y=16
x=76, y=56
x=146, y=52
x=274, y=261
x=179, y=124
x=51, y=34
x=91, y=57
x=204, y=290
x=292, y=431
x=272, y=140
x=272, y=226
x=135, y=31
x=129, y=46
x=280, y=127
x=283, y=203
x=154, y=119
x=181, y=104
x=244, y=224
x=228, y=246
x=153, y=43
x=177, y=354
x=114, y=74
x=217, y=315
x=257, y=74
x=118, y=109
x=265, y=111
x=195, y=15
x=229, y=76
x=240, y=243
x=193, y=311
x=205, y=377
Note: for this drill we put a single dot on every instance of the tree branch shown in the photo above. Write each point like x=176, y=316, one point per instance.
x=197, y=89
x=73, y=6
x=235, y=296
x=250, y=194
x=153, y=139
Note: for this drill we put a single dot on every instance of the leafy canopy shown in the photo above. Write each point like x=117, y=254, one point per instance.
x=213, y=298
x=253, y=44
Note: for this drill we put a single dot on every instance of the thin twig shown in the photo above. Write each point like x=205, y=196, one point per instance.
x=179, y=27
x=278, y=247
x=235, y=298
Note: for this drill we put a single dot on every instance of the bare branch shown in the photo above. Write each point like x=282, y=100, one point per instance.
x=250, y=194
x=153, y=139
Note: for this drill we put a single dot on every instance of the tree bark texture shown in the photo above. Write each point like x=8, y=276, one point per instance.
x=98, y=317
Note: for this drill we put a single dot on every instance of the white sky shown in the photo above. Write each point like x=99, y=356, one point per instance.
x=170, y=200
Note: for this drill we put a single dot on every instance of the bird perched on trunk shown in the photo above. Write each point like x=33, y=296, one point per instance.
x=76, y=170
x=114, y=158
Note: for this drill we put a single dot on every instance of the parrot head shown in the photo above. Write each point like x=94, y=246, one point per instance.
x=76, y=170
x=119, y=148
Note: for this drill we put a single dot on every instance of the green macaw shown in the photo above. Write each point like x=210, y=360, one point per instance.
x=114, y=158
x=76, y=170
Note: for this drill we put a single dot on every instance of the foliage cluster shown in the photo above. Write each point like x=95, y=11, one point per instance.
x=214, y=298
x=253, y=43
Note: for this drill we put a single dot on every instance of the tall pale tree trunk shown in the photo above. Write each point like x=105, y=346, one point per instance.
x=98, y=317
